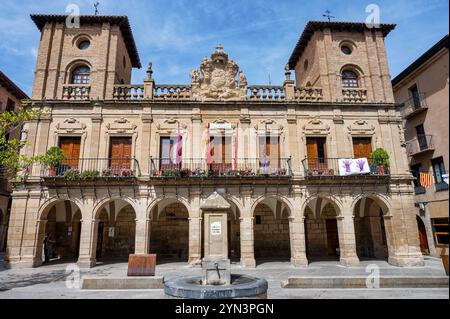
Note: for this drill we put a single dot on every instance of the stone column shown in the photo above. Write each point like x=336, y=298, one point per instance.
x=247, y=242
x=195, y=240
x=40, y=228
x=298, y=241
x=88, y=243
x=142, y=239
x=347, y=242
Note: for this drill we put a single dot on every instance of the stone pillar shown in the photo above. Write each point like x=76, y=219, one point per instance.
x=142, y=239
x=149, y=84
x=88, y=243
x=247, y=242
x=298, y=241
x=40, y=228
x=216, y=234
x=195, y=240
x=347, y=242
x=402, y=233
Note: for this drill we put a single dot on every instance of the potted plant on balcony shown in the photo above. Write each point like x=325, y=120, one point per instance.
x=71, y=174
x=185, y=172
x=89, y=175
x=52, y=159
x=380, y=160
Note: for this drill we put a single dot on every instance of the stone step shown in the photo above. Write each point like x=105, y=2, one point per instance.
x=339, y=282
x=137, y=282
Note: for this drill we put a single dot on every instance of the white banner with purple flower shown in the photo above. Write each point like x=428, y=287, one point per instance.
x=353, y=166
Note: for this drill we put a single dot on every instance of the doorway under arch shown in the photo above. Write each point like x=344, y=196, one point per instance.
x=271, y=231
x=60, y=238
x=116, y=231
x=169, y=231
x=321, y=231
x=370, y=233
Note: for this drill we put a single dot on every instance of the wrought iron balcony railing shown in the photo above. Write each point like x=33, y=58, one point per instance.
x=414, y=106
x=201, y=168
x=324, y=166
x=420, y=144
x=92, y=168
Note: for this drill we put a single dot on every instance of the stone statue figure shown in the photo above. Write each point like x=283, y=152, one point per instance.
x=242, y=79
x=195, y=77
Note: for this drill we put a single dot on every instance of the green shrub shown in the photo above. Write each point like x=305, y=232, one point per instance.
x=54, y=157
x=89, y=174
x=380, y=157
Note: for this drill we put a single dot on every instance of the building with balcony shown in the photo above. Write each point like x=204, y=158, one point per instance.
x=291, y=164
x=422, y=88
x=10, y=101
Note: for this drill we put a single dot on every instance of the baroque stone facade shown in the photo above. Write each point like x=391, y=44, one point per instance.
x=144, y=161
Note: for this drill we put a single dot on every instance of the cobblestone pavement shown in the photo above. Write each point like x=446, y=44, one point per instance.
x=50, y=281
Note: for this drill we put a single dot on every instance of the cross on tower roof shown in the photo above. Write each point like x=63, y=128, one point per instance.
x=96, y=8
x=328, y=15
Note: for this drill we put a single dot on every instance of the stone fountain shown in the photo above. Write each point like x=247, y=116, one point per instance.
x=217, y=282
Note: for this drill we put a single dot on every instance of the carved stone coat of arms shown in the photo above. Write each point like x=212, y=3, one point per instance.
x=220, y=79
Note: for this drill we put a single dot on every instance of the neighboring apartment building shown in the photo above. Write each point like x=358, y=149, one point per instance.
x=10, y=100
x=423, y=88
x=290, y=164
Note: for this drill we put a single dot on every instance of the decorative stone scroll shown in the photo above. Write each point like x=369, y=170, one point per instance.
x=122, y=125
x=219, y=79
x=316, y=127
x=361, y=127
x=71, y=125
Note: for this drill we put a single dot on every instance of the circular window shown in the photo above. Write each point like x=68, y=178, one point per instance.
x=346, y=50
x=84, y=44
x=305, y=66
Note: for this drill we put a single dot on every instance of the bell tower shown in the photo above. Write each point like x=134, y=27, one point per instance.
x=347, y=60
x=84, y=61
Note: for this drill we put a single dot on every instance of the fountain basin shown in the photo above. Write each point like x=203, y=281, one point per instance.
x=241, y=286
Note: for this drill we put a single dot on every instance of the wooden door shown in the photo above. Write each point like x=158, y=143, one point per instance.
x=422, y=236
x=316, y=149
x=120, y=154
x=71, y=148
x=332, y=237
x=362, y=147
x=99, y=248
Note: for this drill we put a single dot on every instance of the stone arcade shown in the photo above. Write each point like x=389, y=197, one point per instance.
x=142, y=160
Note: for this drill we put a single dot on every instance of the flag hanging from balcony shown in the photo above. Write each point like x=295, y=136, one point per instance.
x=208, y=148
x=426, y=179
x=178, y=149
x=265, y=150
x=236, y=148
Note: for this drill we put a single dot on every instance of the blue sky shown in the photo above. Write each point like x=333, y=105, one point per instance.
x=260, y=35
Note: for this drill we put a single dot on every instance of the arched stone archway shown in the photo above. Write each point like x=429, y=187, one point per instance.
x=59, y=232
x=370, y=231
x=271, y=231
x=115, y=230
x=169, y=231
x=321, y=229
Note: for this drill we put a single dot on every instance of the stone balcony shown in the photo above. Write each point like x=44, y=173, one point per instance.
x=76, y=92
x=354, y=95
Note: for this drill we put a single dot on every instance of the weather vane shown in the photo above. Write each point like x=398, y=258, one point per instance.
x=328, y=15
x=96, y=7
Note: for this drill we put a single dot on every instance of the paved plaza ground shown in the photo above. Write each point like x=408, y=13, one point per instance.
x=49, y=282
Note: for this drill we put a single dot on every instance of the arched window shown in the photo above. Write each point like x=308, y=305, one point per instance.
x=349, y=79
x=81, y=75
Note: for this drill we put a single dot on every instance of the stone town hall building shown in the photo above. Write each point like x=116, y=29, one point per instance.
x=142, y=160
